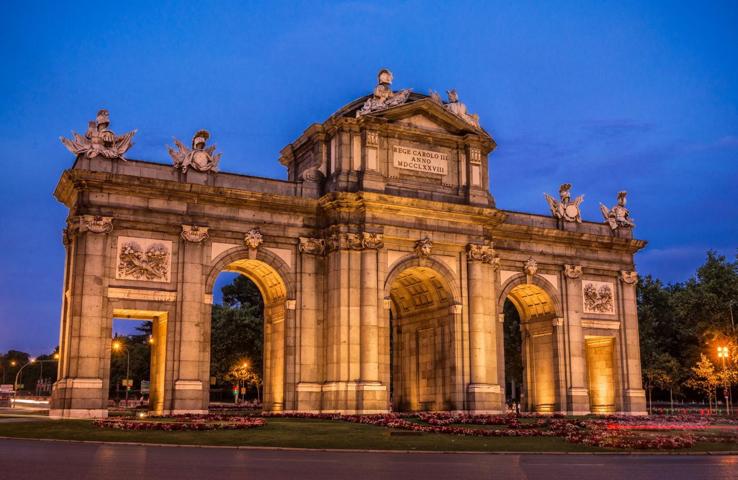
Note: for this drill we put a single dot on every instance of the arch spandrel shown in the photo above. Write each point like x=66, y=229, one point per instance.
x=269, y=272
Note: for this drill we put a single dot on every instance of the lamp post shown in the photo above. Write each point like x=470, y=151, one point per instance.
x=723, y=354
x=17, y=374
x=117, y=346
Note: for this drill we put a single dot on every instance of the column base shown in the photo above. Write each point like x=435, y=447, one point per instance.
x=58, y=413
x=635, y=402
x=78, y=398
x=577, y=401
x=484, y=399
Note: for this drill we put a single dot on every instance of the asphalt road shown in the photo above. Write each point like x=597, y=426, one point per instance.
x=29, y=459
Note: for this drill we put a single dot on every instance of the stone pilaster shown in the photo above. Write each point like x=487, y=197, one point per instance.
x=81, y=391
x=310, y=338
x=577, y=395
x=634, y=401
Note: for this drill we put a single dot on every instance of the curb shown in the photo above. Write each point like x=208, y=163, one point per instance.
x=357, y=450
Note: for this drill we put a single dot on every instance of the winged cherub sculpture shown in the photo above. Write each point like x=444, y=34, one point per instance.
x=99, y=140
x=565, y=209
x=198, y=157
x=618, y=216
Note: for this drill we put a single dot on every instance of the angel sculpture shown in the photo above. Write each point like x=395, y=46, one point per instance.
x=618, y=216
x=198, y=157
x=99, y=140
x=565, y=209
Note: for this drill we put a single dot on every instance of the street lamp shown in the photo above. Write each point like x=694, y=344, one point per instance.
x=723, y=354
x=117, y=347
x=17, y=374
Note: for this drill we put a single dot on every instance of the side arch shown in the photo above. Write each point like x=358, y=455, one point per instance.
x=412, y=261
x=538, y=281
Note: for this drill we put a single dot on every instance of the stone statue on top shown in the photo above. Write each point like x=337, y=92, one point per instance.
x=99, y=140
x=383, y=96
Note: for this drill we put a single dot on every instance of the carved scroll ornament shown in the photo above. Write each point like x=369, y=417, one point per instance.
x=195, y=234
x=312, y=246
x=95, y=224
x=573, y=271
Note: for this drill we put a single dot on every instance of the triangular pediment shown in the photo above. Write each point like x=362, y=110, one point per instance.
x=426, y=114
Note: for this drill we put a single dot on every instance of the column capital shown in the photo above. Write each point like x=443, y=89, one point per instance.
x=194, y=233
x=372, y=240
x=573, y=271
x=629, y=277
x=95, y=224
x=484, y=253
x=312, y=246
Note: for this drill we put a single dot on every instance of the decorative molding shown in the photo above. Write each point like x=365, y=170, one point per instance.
x=602, y=324
x=372, y=240
x=144, y=259
x=290, y=304
x=457, y=308
x=312, y=246
x=194, y=234
x=188, y=385
x=629, y=276
x=253, y=239
x=423, y=247
x=598, y=297
x=95, y=224
x=140, y=294
x=387, y=303
x=573, y=271
x=557, y=322
x=475, y=155
x=480, y=252
x=496, y=263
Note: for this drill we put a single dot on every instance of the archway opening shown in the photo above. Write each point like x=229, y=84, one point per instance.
x=247, y=335
x=531, y=310
x=138, y=358
x=422, y=346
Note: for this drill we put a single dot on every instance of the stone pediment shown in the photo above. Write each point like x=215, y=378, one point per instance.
x=426, y=114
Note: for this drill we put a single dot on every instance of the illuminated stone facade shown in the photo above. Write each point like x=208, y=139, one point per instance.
x=384, y=264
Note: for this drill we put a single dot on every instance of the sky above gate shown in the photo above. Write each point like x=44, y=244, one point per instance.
x=641, y=96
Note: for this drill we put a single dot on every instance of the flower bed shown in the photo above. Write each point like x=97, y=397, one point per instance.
x=178, y=423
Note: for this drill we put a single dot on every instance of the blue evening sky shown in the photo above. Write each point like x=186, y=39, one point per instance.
x=614, y=95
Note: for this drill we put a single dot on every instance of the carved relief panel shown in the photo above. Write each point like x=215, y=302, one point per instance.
x=143, y=259
x=598, y=297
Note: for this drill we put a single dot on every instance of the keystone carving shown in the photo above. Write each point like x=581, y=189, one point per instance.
x=618, y=216
x=573, y=271
x=100, y=140
x=372, y=240
x=629, y=276
x=253, y=239
x=530, y=267
x=423, y=247
x=383, y=96
x=482, y=253
x=565, y=209
x=312, y=246
x=194, y=234
x=198, y=157
x=95, y=224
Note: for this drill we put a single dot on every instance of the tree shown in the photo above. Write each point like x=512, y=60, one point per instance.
x=513, y=345
x=704, y=378
x=243, y=374
x=237, y=328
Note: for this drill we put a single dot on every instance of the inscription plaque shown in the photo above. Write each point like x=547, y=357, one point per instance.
x=418, y=160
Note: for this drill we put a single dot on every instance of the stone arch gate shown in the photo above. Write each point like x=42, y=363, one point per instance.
x=383, y=262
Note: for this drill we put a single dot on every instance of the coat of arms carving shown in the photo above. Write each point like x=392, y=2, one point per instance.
x=599, y=297
x=144, y=259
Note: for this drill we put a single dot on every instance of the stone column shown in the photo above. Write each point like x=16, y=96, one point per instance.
x=635, y=398
x=485, y=394
x=559, y=340
x=577, y=395
x=81, y=391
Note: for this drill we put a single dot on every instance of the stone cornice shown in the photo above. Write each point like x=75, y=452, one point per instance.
x=73, y=181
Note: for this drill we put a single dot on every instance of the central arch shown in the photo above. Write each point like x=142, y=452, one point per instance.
x=271, y=276
x=422, y=331
x=537, y=306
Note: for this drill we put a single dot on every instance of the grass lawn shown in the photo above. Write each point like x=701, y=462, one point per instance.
x=302, y=433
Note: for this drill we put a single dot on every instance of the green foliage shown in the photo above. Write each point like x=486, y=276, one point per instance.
x=139, y=350
x=237, y=330
x=682, y=324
